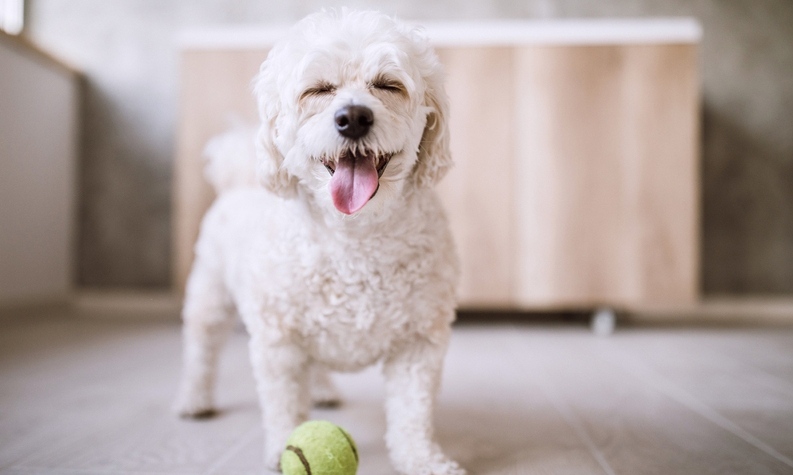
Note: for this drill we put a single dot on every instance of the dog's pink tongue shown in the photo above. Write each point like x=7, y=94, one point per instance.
x=354, y=182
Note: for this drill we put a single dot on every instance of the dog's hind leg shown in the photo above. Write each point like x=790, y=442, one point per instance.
x=323, y=392
x=207, y=320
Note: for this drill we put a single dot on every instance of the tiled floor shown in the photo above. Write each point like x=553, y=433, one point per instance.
x=82, y=396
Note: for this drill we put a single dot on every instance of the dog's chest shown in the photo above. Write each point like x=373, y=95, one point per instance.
x=348, y=301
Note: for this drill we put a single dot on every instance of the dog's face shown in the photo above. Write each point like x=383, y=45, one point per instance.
x=353, y=112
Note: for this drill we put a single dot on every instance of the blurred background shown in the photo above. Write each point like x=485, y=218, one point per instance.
x=126, y=58
x=628, y=155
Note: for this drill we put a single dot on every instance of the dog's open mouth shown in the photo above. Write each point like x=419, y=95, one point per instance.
x=355, y=178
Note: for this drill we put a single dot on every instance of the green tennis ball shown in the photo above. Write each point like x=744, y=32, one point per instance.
x=319, y=448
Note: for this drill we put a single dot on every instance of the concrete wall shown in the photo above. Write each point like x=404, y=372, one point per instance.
x=128, y=50
x=38, y=148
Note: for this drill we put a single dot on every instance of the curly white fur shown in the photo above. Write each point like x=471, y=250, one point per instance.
x=315, y=287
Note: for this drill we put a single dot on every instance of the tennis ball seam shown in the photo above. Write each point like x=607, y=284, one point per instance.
x=299, y=452
x=352, y=444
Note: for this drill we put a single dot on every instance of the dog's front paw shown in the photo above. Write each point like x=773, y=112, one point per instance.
x=438, y=464
x=444, y=467
x=272, y=458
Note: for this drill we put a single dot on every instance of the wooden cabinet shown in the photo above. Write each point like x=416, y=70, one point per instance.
x=215, y=91
x=577, y=174
x=576, y=144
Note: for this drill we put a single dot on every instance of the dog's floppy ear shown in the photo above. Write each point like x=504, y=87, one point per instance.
x=434, y=157
x=271, y=171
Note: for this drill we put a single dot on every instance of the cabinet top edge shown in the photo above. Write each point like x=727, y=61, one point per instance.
x=563, y=32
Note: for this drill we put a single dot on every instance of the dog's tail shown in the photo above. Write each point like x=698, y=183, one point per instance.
x=231, y=158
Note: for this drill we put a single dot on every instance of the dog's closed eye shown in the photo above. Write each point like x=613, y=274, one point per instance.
x=320, y=89
x=388, y=85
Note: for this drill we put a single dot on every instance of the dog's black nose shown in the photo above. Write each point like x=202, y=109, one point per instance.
x=354, y=121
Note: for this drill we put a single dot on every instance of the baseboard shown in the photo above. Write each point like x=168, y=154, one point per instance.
x=765, y=310
x=714, y=309
x=127, y=304
x=165, y=305
x=24, y=307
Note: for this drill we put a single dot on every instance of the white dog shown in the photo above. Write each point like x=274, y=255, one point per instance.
x=345, y=259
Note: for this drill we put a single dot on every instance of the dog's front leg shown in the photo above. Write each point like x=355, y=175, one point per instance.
x=281, y=372
x=412, y=379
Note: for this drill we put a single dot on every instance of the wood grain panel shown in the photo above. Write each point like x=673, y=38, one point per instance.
x=605, y=168
x=477, y=193
x=215, y=89
x=667, y=120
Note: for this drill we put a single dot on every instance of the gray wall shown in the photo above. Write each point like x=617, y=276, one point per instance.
x=38, y=148
x=127, y=48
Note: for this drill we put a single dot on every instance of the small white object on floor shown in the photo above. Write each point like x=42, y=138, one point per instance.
x=604, y=321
